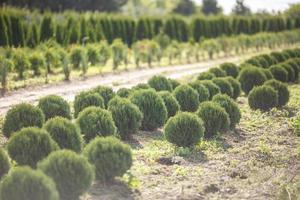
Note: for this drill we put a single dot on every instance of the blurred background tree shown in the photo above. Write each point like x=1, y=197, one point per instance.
x=240, y=8
x=211, y=7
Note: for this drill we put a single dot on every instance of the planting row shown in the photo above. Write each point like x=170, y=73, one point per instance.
x=27, y=28
x=50, y=57
x=65, y=156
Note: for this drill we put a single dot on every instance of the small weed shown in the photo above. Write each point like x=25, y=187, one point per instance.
x=264, y=148
x=132, y=181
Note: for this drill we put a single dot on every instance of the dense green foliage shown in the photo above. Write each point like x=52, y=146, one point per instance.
x=4, y=163
x=218, y=72
x=224, y=85
x=263, y=98
x=279, y=73
x=187, y=97
x=160, y=83
x=105, y=92
x=212, y=88
x=201, y=90
x=171, y=103
x=230, y=68
x=236, y=86
x=184, y=129
x=53, y=106
x=250, y=77
x=282, y=89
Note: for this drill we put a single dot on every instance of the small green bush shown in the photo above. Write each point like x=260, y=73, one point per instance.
x=278, y=56
x=77, y=56
x=217, y=72
x=37, y=62
x=236, y=86
x=267, y=73
x=126, y=115
x=66, y=134
x=250, y=77
x=187, y=97
x=30, y=145
x=206, y=76
x=94, y=121
x=215, y=118
x=152, y=106
x=296, y=125
x=254, y=62
x=231, y=108
x=263, y=98
x=93, y=54
x=160, y=83
x=21, y=62
x=296, y=68
x=23, y=183
x=290, y=71
x=279, y=73
x=184, y=129
x=171, y=103
x=212, y=88
x=270, y=60
x=20, y=116
x=4, y=163
x=282, y=89
x=141, y=86
x=224, y=86
x=124, y=92
x=110, y=157
x=87, y=99
x=72, y=173
x=201, y=90
x=231, y=69
x=53, y=106
x=106, y=93
x=174, y=83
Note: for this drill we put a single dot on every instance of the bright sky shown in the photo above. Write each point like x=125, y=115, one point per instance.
x=277, y=5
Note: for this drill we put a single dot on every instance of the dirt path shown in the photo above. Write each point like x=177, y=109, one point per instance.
x=124, y=79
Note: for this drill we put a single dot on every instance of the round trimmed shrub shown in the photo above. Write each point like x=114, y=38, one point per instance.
x=267, y=73
x=236, y=86
x=206, y=76
x=20, y=116
x=124, y=92
x=141, y=86
x=279, y=73
x=152, y=106
x=72, y=173
x=126, y=115
x=87, y=99
x=66, y=134
x=201, y=90
x=213, y=89
x=94, y=121
x=263, y=63
x=290, y=71
x=110, y=157
x=254, y=62
x=263, y=98
x=171, y=103
x=215, y=118
x=106, y=93
x=282, y=89
x=290, y=52
x=184, y=129
x=231, y=69
x=160, y=83
x=278, y=56
x=53, y=106
x=231, y=108
x=217, y=72
x=4, y=163
x=30, y=145
x=23, y=183
x=270, y=60
x=174, y=83
x=250, y=77
x=187, y=97
x=224, y=86
x=296, y=68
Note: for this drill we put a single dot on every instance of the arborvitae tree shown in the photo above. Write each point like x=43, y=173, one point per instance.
x=7, y=21
x=74, y=31
x=169, y=29
x=60, y=34
x=18, y=37
x=157, y=26
x=141, y=31
x=47, y=28
x=198, y=28
x=32, y=39
x=3, y=32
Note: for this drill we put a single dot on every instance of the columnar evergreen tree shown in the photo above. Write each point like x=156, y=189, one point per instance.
x=3, y=32
x=47, y=28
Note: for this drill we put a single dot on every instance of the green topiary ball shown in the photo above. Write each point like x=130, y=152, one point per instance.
x=4, y=163
x=160, y=83
x=152, y=106
x=290, y=71
x=217, y=72
x=231, y=108
x=224, y=86
x=231, y=69
x=72, y=173
x=267, y=73
x=174, y=83
x=127, y=116
x=206, y=76
x=94, y=121
x=187, y=97
x=296, y=68
x=263, y=98
x=236, y=86
x=124, y=92
x=87, y=99
x=171, y=103
x=282, y=89
x=141, y=86
x=53, y=106
x=23, y=183
x=278, y=56
x=215, y=118
x=250, y=77
x=212, y=88
x=20, y=116
x=66, y=134
x=30, y=145
x=110, y=157
x=201, y=90
x=106, y=93
x=184, y=129
x=279, y=73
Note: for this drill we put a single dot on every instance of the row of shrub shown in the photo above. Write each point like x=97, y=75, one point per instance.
x=26, y=28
